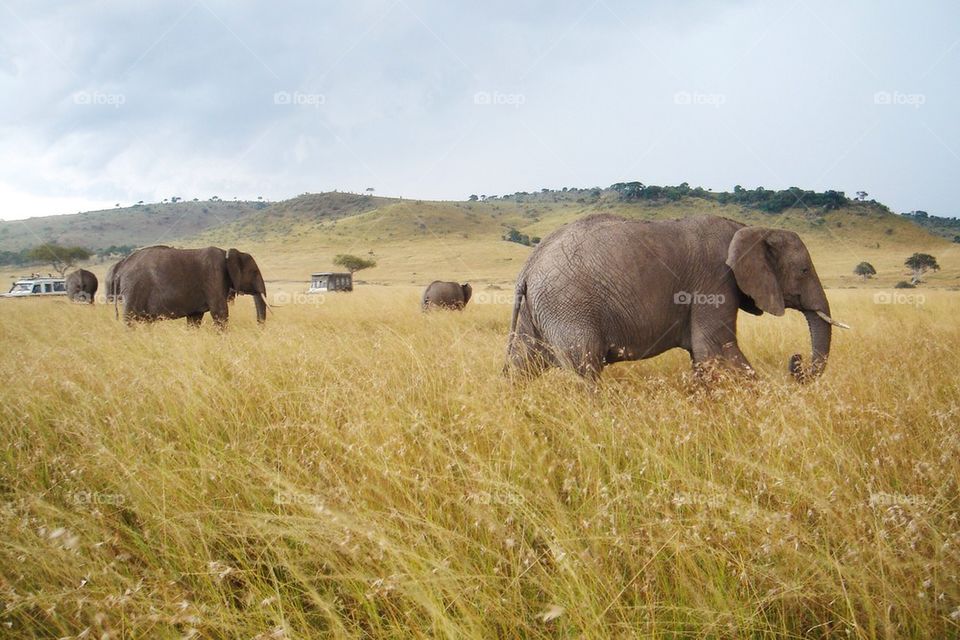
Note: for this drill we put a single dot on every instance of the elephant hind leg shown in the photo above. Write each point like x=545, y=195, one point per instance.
x=586, y=359
x=527, y=356
x=195, y=319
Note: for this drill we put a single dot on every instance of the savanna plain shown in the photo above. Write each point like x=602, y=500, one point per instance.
x=355, y=468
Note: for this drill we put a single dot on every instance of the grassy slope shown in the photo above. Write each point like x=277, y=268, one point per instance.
x=416, y=242
x=139, y=226
x=358, y=469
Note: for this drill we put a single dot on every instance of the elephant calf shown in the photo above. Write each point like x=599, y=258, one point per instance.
x=81, y=286
x=161, y=282
x=605, y=289
x=446, y=295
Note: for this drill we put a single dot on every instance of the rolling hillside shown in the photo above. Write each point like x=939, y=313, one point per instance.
x=139, y=225
x=416, y=241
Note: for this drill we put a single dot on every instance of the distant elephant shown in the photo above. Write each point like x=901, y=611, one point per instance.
x=161, y=282
x=605, y=289
x=446, y=295
x=81, y=286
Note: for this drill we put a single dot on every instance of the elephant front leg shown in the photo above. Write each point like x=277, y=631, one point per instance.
x=195, y=319
x=714, y=344
x=220, y=314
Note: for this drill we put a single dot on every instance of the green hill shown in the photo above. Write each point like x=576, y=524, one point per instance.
x=415, y=241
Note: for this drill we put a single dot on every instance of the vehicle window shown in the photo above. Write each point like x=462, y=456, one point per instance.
x=59, y=286
x=36, y=288
x=48, y=288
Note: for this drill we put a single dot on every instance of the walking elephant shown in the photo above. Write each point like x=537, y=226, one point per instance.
x=81, y=286
x=161, y=282
x=446, y=295
x=605, y=289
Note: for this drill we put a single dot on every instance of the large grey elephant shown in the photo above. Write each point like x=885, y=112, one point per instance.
x=161, y=282
x=111, y=282
x=446, y=295
x=81, y=286
x=605, y=289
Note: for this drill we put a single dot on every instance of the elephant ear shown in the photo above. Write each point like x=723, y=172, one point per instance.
x=235, y=269
x=467, y=292
x=751, y=258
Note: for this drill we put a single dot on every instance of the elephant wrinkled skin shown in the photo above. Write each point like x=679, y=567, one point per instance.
x=606, y=289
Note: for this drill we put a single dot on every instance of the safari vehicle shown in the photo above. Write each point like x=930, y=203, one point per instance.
x=37, y=286
x=327, y=281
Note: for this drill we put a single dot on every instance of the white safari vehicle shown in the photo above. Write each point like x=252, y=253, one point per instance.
x=37, y=286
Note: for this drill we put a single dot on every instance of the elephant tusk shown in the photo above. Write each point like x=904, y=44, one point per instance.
x=827, y=318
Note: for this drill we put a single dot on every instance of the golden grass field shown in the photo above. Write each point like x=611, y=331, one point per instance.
x=358, y=469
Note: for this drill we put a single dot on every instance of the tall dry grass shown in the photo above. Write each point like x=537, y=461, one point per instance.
x=359, y=469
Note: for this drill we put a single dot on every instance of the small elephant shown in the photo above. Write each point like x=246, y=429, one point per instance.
x=161, y=282
x=605, y=289
x=446, y=295
x=81, y=286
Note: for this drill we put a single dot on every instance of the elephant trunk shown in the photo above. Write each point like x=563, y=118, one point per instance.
x=261, y=303
x=821, y=332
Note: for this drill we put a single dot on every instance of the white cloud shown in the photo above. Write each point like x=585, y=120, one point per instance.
x=106, y=103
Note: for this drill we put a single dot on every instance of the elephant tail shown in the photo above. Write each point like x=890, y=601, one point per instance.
x=518, y=295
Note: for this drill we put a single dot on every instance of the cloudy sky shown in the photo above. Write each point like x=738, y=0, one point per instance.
x=111, y=101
